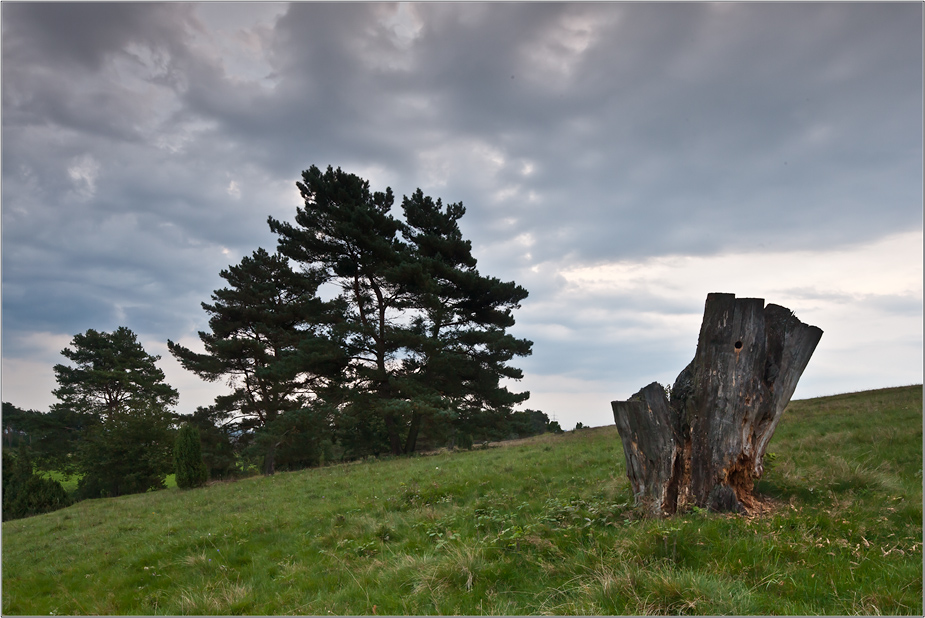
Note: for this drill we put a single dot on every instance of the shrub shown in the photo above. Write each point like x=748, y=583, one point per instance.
x=215, y=440
x=25, y=493
x=187, y=457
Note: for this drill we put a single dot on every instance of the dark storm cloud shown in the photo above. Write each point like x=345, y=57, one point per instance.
x=58, y=63
x=69, y=34
x=730, y=126
x=144, y=146
x=116, y=204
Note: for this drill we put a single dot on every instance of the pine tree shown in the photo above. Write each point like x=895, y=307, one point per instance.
x=126, y=444
x=346, y=235
x=271, y=338
x=424, y=333
x=187, y=458
x=113, y=373
x=52, y=436
x=462, y=347
x=126, y=453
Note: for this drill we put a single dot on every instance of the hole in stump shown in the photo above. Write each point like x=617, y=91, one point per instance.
x=738, y=345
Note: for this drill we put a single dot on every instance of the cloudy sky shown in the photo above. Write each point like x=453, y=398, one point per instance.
x=620, y=161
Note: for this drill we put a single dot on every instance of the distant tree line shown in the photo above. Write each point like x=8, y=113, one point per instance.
x=362, y=335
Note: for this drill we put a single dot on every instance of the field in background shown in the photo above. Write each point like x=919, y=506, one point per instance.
x=70, y=482
x=542, y=526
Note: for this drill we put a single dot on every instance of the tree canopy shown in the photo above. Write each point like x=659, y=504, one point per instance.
x=113, y=374
x=424, y=334
x=271, y=338
x=120, y=394
x=460, y=347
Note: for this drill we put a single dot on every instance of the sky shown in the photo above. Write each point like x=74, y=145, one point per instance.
x=619, y=161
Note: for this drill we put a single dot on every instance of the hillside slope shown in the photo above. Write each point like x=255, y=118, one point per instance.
x=543, y=526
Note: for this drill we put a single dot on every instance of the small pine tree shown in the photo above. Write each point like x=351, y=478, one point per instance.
x=187, y=456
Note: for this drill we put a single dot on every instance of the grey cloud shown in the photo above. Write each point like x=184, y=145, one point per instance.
x=85, y=34
x=135, y=153
x=906, y=305
x=696, y=116
x=610, y=363
x=60, y=63
x=896, y=304
x=606, y=336
x=730, y=152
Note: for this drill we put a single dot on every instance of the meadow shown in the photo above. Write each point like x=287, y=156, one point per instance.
x=544, y=525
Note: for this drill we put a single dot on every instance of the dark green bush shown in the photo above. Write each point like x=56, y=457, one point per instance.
x=187, y=457
x=216, y=441
x=25, y=493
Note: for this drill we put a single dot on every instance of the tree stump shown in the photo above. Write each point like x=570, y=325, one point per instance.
x=705, y=445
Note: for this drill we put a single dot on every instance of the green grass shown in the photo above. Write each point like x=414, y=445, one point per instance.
x=69, y=482
x=541, y=526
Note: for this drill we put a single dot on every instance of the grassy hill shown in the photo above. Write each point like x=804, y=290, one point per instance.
x=544, y=525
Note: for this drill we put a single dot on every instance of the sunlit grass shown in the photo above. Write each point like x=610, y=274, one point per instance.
x=543, y=526
x=69, y=482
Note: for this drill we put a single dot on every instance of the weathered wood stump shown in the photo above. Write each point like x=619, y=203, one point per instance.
x=705, y=445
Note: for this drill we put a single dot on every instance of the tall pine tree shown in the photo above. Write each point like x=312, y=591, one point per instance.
x=271, y=339
x=346, y=234
x=462, y=348
x=113, y=374
x=424, y=332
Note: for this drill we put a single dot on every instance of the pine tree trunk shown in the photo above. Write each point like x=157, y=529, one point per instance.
x=269, y=461
x=391, y=427
x=413, y=430
x=705, y=446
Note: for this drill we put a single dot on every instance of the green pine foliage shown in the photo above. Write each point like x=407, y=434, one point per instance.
x=216, y=437
x=424, y=334
x=112, y=372
x=117, y=392
x=271, y=336
x=126, y=453
x=52, y=437
x=298, y=439
x=346, y=234
x=464, y=441
x=187, y=458
x=460, y=350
